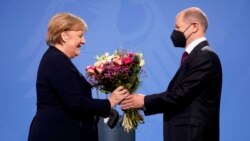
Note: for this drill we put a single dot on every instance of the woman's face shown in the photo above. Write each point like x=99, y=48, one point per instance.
x=73, y=41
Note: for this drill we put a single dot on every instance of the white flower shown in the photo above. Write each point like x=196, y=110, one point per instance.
x=142, y=63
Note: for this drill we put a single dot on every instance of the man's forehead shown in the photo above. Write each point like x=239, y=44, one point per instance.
x=178, y=19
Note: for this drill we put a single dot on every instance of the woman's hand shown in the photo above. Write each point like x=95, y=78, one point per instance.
x=118, y=95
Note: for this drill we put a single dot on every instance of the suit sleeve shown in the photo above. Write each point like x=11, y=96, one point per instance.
x=193, y=80
x=66, y=84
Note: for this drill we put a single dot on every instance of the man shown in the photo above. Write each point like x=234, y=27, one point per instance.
x=191, y=103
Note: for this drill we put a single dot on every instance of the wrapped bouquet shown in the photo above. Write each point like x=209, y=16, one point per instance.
x=122, y=68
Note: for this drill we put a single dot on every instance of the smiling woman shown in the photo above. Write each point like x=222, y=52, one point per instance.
x=72, y=43
x=66, y=110
x=66, y=33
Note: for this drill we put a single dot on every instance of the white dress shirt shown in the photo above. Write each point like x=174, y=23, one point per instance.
x=193, y=44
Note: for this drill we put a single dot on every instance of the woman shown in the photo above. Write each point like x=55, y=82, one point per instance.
x=66, y=110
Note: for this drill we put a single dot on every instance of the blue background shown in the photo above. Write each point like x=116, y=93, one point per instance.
x=136, y=25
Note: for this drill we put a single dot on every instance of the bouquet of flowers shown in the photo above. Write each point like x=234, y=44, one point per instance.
x=122, y=68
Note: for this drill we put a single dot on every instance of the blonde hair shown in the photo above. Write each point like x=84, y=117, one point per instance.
x=63, y=22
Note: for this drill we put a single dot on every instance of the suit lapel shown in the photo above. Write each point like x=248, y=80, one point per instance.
x=74, y=69
x=80, y=75
x=198, y=47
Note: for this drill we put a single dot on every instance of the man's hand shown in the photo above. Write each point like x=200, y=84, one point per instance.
x=134, y=101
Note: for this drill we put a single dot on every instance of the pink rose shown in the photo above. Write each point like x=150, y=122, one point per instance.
x=99, y=66
x=127, y=60
x=117, y=60
x=90, y=70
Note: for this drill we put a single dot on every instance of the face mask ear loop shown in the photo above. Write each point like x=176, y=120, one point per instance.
x=186, y=30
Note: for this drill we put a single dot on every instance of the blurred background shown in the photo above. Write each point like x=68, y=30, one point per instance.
x=136, y=25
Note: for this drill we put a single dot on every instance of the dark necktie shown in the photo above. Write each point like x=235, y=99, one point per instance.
x=184, y=56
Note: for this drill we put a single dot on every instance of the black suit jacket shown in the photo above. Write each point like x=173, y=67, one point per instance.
x=191, y=102
x=65, y=108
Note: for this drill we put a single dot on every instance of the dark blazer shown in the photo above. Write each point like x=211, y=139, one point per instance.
x=65, y=108
x=191, y=102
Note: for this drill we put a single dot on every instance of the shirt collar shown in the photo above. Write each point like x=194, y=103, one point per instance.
x=193, y=44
